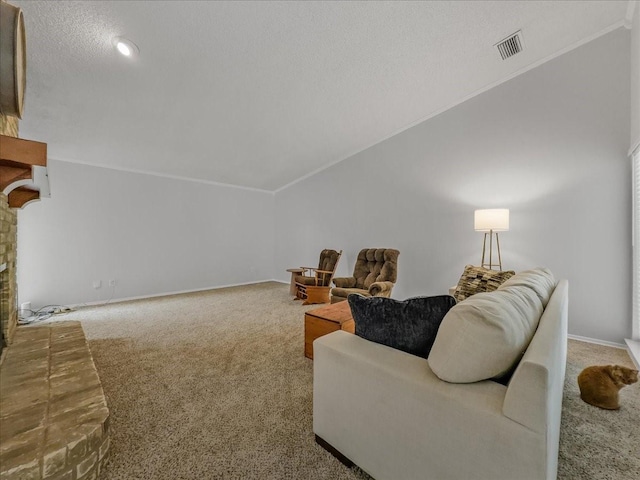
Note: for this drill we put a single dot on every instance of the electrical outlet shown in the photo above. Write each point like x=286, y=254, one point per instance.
x=97, y=284
x=112, y=283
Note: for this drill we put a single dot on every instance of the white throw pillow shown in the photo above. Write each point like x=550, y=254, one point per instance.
x=540, y=279
x=485, y=335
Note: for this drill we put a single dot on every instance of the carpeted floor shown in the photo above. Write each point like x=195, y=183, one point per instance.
x=215, y=385
x=595, y=443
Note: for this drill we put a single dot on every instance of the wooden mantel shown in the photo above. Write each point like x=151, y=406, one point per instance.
x=18, y=157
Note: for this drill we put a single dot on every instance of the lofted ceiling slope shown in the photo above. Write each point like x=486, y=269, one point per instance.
x=259, y=94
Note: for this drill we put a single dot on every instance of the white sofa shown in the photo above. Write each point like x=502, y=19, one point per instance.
x=388, y=412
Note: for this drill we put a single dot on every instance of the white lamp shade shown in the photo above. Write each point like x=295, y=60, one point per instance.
x=496, y=219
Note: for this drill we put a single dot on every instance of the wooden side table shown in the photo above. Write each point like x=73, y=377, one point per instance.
x=294, y=272
x=320, y=321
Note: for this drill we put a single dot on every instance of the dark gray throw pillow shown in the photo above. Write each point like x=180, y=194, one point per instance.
x=410, y=325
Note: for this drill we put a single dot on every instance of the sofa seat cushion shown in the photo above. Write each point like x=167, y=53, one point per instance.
x=479, y=279
x=345, y=292
x=485, y=336
x=410, y=325
x=540, y=279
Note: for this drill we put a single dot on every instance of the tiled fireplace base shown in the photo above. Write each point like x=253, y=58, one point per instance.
x=54, y=421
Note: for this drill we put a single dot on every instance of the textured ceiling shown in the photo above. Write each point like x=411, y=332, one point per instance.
x=259, y=94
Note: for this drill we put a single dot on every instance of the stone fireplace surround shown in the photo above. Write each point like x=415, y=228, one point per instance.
x=53, y=412
x=3, y=282
x=8, y=251
x=8, y=286
x=54, y=421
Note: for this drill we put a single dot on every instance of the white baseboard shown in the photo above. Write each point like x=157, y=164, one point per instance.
x=596, y=341
x=167, y=294
x=634, y=351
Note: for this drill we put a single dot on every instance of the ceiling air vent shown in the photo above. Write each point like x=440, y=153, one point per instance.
x=510, y=45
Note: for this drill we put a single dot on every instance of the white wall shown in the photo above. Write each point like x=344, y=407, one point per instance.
x=635, y=77
x=153, y=235
x=551, y=145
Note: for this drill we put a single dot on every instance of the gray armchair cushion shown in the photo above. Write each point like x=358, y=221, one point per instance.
x=345, y=292
x=322, y=275
x=303, y=280
x=377, y=289
x=374, y=274
x=410, y=325
x=380, y=289
x=328, y=260
x=344, y=282
x=376, y=265
x=326, y=263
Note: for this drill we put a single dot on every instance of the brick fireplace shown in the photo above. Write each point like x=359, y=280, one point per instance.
x=3, y=295
x=8, y=251
x=54, y=415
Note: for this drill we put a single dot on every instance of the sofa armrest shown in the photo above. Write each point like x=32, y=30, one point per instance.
x=403, y=421
x=534, y=398
x=345, y=282
x=381, y=289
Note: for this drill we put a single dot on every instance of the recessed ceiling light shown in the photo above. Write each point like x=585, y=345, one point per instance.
x=125, y=46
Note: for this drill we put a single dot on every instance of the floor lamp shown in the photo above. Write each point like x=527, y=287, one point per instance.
x=491, y=221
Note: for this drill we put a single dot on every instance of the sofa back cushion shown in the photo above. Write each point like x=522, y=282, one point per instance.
x=410, y=325
x=486, y=335
x=540, y=279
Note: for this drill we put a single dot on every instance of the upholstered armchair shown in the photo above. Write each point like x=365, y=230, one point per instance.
x=314, y=284
x=374, y=275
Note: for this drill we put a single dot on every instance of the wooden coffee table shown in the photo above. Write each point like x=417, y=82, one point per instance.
x=320, y=321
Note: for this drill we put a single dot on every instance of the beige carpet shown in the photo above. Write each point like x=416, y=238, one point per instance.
x=215, y=386
x=595, y=443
